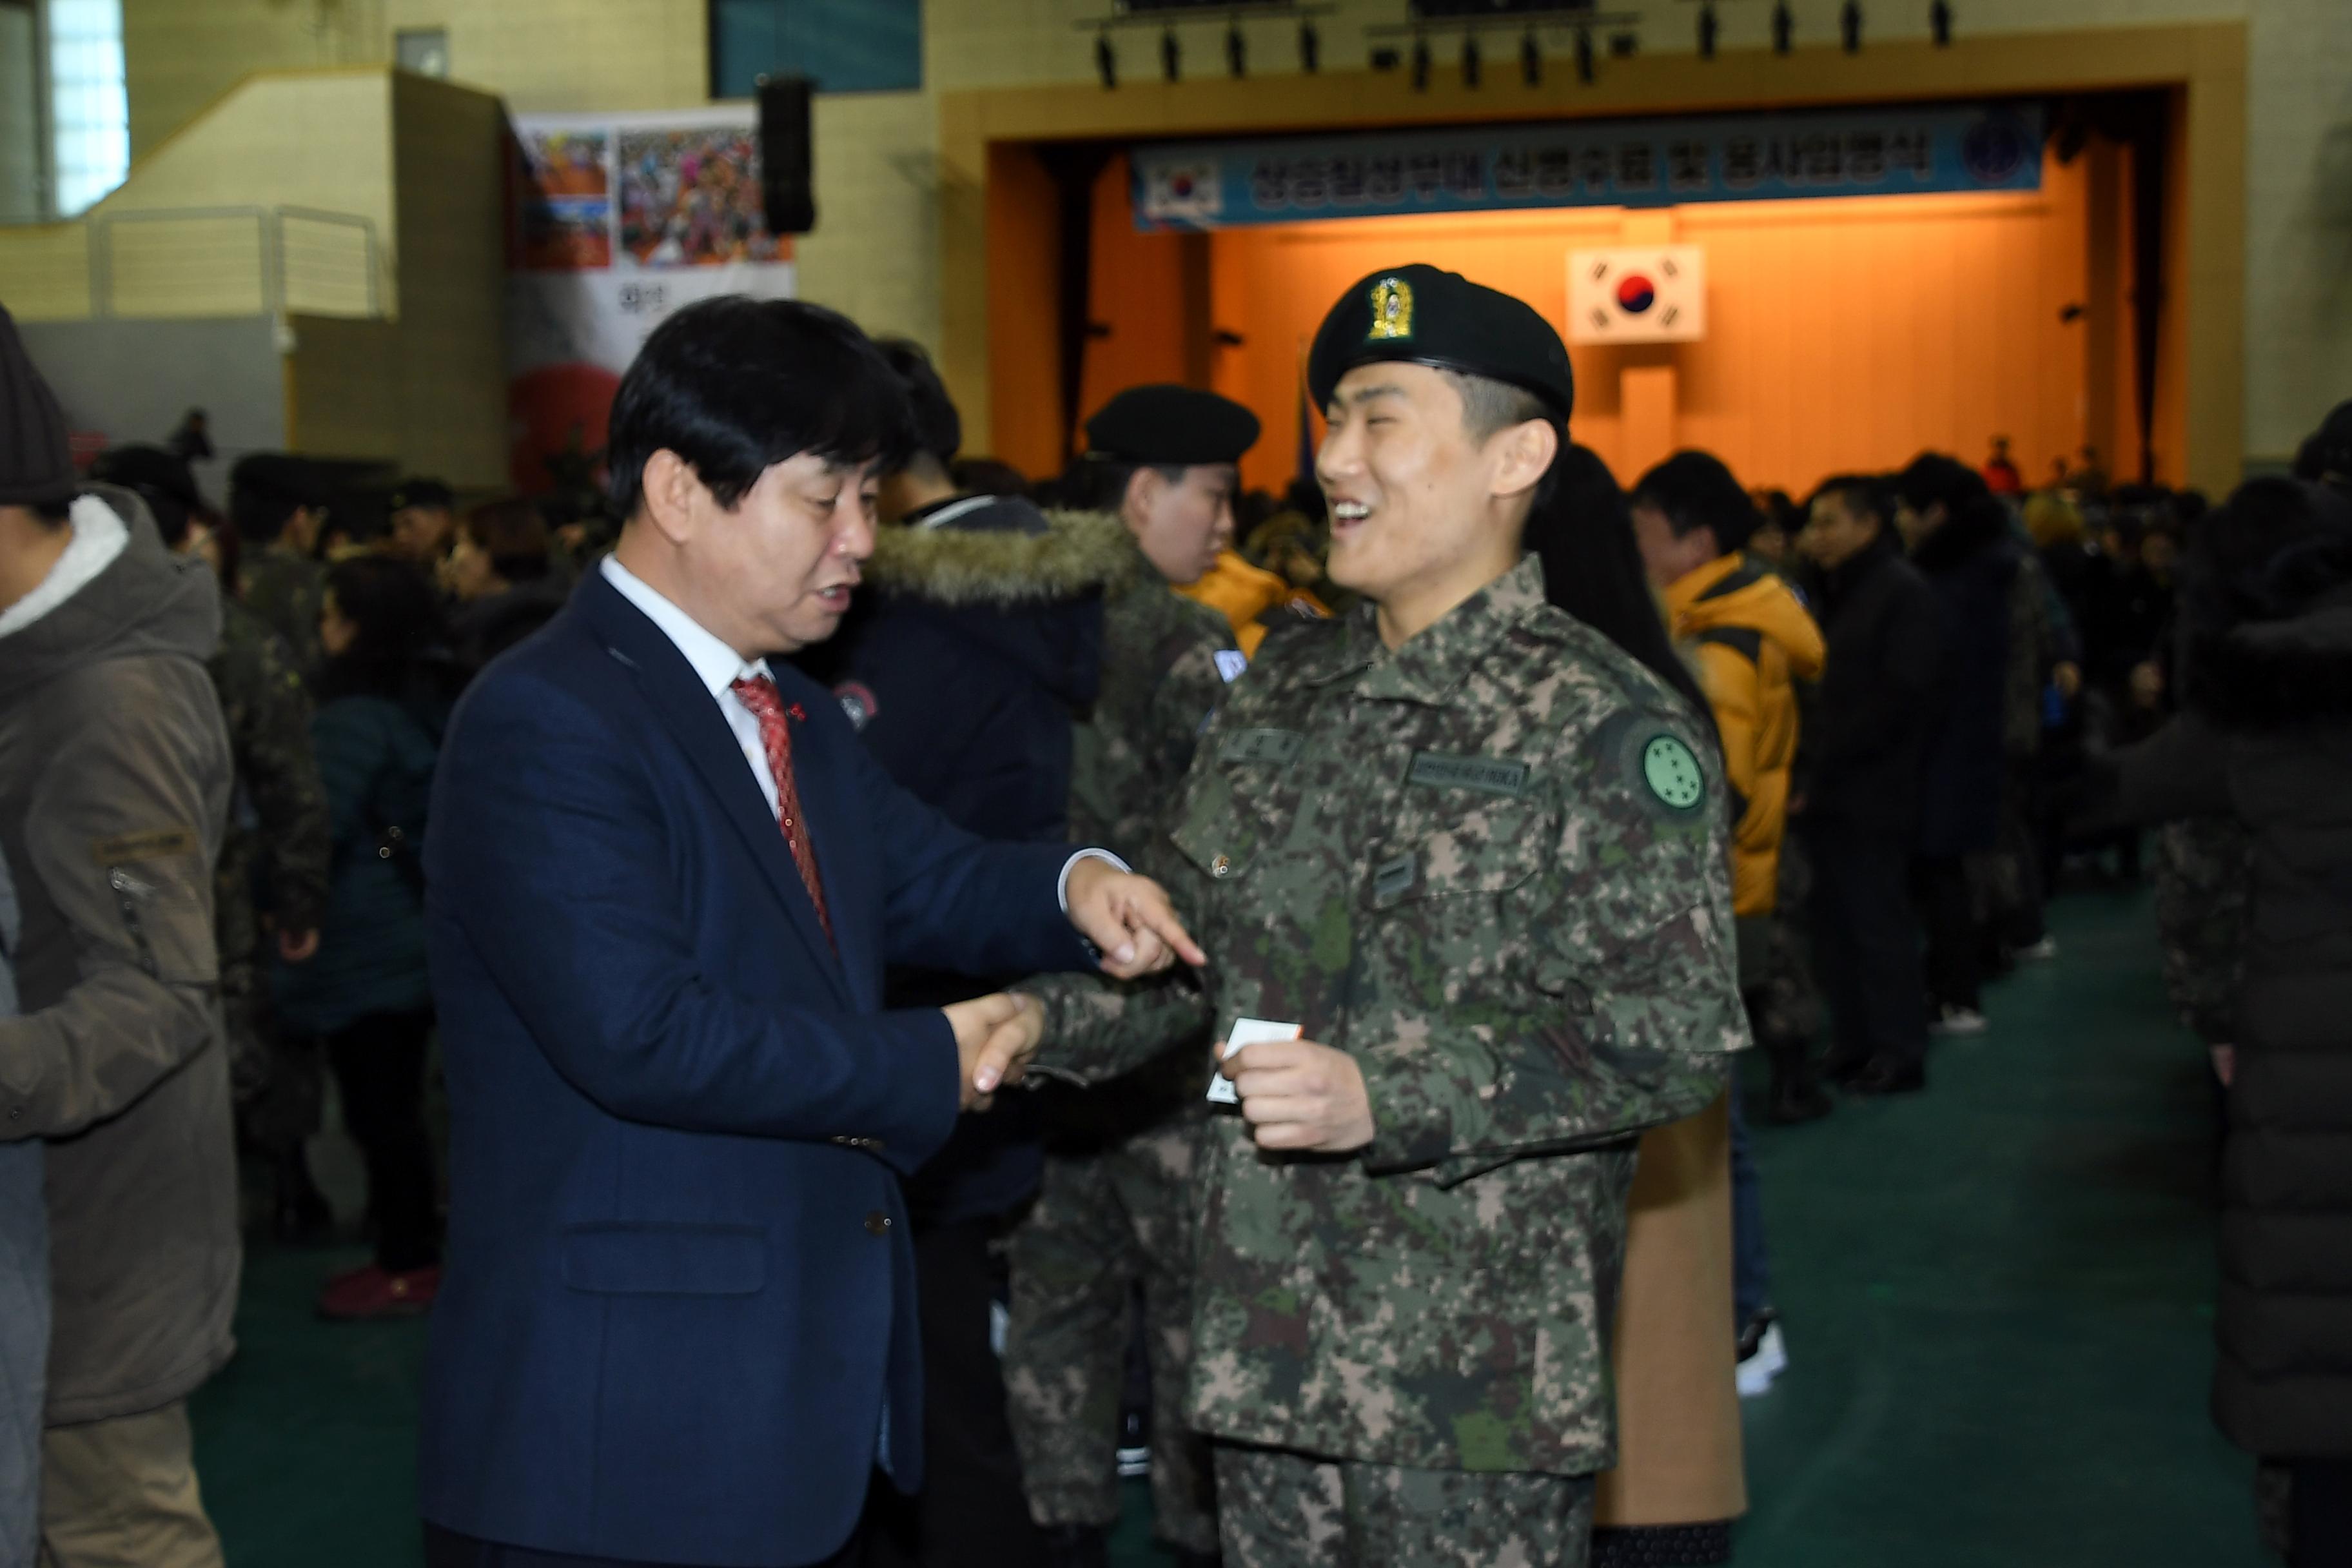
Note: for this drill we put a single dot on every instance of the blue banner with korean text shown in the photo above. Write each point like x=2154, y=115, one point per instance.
x=1897, y=151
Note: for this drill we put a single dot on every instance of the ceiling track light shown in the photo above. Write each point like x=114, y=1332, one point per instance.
x=1105, y=60
x=1850, y=26
x=1584, y=56
x=1784, y=27
x=1237, y=52
x=1310, y=48
x=1472, y=64
x=1172, y=56
x=1939, y=24
x=1707, y=28
x=1531, y=59
x=1421, y=65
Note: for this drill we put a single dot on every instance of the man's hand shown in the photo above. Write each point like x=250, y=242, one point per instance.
x=298, y=946
x=1298, y=1094
x=995, y=1037
x=1128, y=917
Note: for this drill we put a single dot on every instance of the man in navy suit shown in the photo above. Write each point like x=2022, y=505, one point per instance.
x=664, y=878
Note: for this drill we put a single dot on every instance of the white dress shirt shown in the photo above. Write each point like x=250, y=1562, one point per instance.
x=719, y=666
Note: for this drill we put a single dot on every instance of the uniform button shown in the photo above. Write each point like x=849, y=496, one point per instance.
x=878, y=1224
x=1221, y=867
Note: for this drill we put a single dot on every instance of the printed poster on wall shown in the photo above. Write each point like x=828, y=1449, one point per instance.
x=616, y=220
x=1901, y=150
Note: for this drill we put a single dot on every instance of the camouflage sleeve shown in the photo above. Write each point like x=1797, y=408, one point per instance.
x=280, y=771
x=1188, y=694
x=2200, y=915
x=1098, y=1027
x=1619, y=998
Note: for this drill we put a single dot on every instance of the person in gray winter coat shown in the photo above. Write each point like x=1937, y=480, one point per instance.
x=24, y=1300
x=115, y=781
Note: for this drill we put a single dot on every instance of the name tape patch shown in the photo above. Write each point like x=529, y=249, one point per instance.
x=1279, y=747
x=154, y=845
x=1488, y=775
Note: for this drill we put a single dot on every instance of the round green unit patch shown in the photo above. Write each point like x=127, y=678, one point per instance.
x=1671, y=772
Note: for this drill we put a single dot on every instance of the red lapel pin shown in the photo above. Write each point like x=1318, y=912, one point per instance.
x=798, y=717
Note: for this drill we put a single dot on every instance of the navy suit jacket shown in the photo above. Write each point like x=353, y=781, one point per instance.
x=678, y=1307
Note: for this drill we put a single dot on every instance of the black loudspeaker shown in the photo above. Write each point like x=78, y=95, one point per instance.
x=785, y=140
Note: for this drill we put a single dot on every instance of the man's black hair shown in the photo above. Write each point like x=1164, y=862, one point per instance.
x=1934, y=478
x=1866, y=495
x=1694, y=490
x=735, y=386
x=939, y=428
x=1488, y=404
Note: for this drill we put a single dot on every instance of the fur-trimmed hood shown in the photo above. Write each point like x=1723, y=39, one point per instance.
x=1002, y=551
x=2269, y=675
x=995, y=575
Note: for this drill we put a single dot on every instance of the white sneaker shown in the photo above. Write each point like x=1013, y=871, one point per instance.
x=2047, y=948
x=1768, y=1360
x=1958, y=1021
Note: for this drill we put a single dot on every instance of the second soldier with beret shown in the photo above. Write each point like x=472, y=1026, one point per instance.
x=1114, y=1209
x=1459, y=863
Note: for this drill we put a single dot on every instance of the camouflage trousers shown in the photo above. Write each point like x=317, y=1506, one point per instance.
x=276, y=1082
x=1284, y=1510
x=1104, y=1222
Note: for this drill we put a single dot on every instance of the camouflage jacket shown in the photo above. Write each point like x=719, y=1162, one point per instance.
x=1160, y=680
x=2203, y=865
x=286, y=590
x=280, y=817
x=1492, y=866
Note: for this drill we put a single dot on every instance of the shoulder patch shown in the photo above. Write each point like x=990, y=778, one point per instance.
x=1671, y=772
x=1232, y=664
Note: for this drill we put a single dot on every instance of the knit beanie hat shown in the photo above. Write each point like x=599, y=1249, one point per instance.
x=35, y=465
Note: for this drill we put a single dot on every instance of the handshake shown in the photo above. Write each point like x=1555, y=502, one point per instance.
x=995, y=1037
x=1128, y=919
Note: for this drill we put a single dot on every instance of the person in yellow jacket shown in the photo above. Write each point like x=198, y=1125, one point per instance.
x=1752, y=640
x=1254, y=599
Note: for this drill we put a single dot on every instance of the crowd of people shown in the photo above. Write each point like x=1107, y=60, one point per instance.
x=1504, y=802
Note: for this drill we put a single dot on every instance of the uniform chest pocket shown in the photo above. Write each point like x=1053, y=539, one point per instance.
x=1478, y=849
x=1232, y=811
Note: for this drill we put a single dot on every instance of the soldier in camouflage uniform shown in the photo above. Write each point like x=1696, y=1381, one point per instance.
x=1114, y=1207
x=1477, y=856
x=2201, y=872
x=278, y=844
x=276, y=505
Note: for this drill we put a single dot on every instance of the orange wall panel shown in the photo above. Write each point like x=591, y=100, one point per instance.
x=1842, y=334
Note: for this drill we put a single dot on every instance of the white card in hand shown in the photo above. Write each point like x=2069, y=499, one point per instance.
x=1246, y=1032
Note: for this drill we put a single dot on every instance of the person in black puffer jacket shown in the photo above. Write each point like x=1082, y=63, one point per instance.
x=1960, y=539
x=2265, y=738
x=1856, y=798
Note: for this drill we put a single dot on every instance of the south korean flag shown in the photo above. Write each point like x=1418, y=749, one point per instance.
x=1183, y=193
x=1652, y=294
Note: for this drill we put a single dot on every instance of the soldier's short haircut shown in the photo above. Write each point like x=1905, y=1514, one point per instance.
x=1488, y=405
x=735, y=386
x=1099, y=484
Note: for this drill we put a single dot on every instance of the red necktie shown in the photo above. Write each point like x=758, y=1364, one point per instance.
x=759, y=694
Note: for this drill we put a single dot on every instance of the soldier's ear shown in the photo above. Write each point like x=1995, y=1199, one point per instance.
x=1524, y=453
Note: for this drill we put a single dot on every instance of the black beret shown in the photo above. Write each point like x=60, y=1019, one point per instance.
x=1170, y=425
x=419, y=492
x=142, y=468
x=1421, y=315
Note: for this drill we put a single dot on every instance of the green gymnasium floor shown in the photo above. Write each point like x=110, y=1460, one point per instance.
x=1996, y=1296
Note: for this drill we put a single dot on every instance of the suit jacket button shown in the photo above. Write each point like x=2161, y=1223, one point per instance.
x=878, y=1224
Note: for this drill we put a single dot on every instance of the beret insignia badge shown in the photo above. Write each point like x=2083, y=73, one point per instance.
x=1391, y=310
